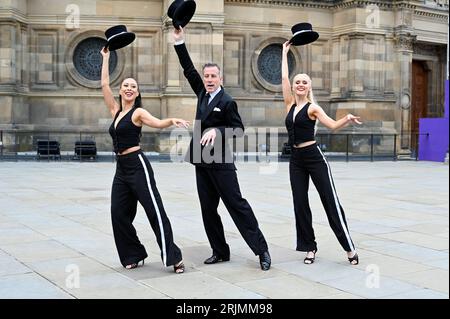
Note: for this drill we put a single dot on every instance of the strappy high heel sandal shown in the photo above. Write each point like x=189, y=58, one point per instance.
x=354, y=260
x=310, y=260
x=135, y=265
x=179, y=269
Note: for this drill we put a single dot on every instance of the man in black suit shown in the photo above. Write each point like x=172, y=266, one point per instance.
x=216, y=174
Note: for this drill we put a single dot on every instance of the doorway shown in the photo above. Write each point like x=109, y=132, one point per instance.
x=419, y=100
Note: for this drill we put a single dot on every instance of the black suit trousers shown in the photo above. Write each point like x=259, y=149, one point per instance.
x=216, y=184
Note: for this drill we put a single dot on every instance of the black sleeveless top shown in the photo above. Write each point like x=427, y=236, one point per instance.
x=302, y=130
x=127, y=134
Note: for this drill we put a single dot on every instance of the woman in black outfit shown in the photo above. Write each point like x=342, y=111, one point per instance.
x=308, y=160
x=134, y=180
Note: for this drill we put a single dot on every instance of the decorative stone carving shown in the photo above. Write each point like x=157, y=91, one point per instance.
x=437, y=3
x=405, y=42
x=405, y=101
x=325, y=4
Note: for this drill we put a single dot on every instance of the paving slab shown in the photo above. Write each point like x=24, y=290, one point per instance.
x=55, y=225
x=30, y=286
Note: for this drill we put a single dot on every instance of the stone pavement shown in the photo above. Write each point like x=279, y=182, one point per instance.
x=56, y=238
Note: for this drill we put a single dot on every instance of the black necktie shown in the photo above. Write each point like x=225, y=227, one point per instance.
x=205, y=103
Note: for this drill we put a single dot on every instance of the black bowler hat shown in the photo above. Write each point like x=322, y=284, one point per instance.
x=303, y=34
x=118, y=37
x=181, y=12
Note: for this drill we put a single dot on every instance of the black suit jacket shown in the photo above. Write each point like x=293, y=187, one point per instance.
x=221, y=114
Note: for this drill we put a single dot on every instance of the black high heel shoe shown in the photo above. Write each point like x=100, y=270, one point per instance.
x=310, y=260
x=179, y=269
x=135, y=265
x=354, y=260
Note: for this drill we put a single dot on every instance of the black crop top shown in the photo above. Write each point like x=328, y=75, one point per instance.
x=126, y=134
x=303, y=128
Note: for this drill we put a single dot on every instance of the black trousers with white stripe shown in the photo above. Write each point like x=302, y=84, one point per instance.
x=134, y=181
x=309, y=162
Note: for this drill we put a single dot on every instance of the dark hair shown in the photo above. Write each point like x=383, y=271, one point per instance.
x=211, y=65
x=137, y=102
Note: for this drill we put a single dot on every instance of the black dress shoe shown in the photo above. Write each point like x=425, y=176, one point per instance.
x=265, y=261
x=215, y=259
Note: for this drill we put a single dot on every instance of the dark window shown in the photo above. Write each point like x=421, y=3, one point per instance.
x=269, y=63
x=87, y=58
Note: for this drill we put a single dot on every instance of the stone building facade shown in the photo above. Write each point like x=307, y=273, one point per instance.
x=383, y=60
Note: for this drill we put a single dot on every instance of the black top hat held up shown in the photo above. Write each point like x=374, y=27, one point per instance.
x=118, y=37
x=303, y=34
x=181, y=12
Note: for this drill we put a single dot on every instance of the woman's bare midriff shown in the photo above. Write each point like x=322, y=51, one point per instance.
x=304, y=144
x=130, y=150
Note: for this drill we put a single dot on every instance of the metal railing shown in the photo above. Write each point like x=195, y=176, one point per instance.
x=360, y=146
x=22, y=145
x=37, y=145
x=374, y=140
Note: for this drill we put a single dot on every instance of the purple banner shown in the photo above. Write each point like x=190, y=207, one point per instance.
x=434, y=135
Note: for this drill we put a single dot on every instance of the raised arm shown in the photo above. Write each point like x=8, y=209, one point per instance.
x=286, y=83
x=106, y=89
x=320, y=114
x=191, y=74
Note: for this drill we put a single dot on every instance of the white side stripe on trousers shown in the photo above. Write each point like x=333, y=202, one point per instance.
x=336, y=202
x=158, y=213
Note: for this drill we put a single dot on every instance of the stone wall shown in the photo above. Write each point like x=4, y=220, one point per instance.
x=360, y=64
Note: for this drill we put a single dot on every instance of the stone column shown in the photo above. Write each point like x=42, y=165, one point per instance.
x=171, y=83
x=404, y=49
x=7, y=71
x=335, y=67
x=7, y=53
x=13, y=106
x=356, y=64
x=404, y=40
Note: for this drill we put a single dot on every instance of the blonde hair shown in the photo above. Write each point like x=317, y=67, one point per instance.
x=309, y=96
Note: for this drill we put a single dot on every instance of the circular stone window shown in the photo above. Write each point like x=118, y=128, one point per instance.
x=268, y=66
x=87, y=58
